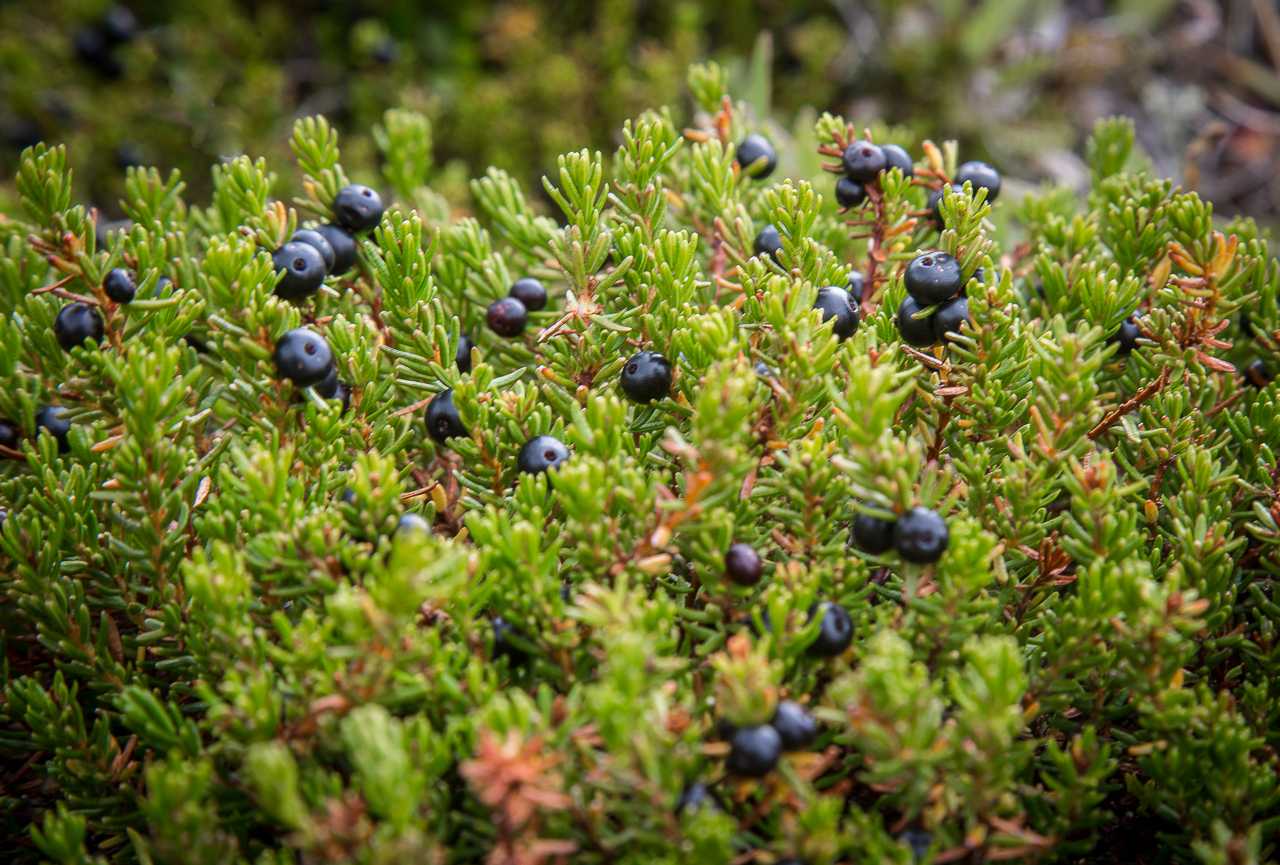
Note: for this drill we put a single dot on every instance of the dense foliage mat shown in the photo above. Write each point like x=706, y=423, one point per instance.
x=714, y=521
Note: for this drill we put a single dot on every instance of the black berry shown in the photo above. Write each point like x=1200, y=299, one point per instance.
x=318, y=242
x=921, y=536
x=695, y=797
x=757, y=156
x=77, y=323
x=896, y=157
x=1128, y=334
x=795, y=726
x=1257, y=374
x=754, y=751
x=303, y=357
x=769, y=242
x=856, y=285
x=302, y=270
x=343, y=245
x=835, y=631
x=646, y=377
x=872, y=534
x=507, y=317
x=980, y=175
x=462, y=357
x=9, y=435
x=742, y=564
x=541, y=453
x=357, y=208
x=935, y=204
x=835, y=305
x=119, y=285
x=443, y=422
x=333, y=387
x=849, y=193
x=863, y=161
x=950, y=316
x=411, y=524
x=530, y=292
x=52, y=419
x=503, y=644
x=915, y=331
x=933, y=277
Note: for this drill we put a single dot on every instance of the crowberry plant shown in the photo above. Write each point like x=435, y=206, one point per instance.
x=1021, y=595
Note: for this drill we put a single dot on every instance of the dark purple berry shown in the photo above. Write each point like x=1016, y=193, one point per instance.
x=921, y=536
x=119, y=285
x=872, y=534
x=948, y=317
x=915, y=331
x=835, y=631
x=301, y=269
x=742, y=564
x=863, y=161
x=303, y=357
x=754, y=751
x=540, y=454
x=318, y=242
x=849, y=193
x=342, y=244
x=980, y=175
x=9, y=435
x=443, y=420
x=935, y=205
x=795, y=726
x=769, y=242
x=896, y=157
x=462, y=357
x=856, y=285
x=530, y=292
x=933, y=277
x=834, y=303
x=76, y=324
x=757, y=156
x=52, y=419
x=646, y=377
x=357, y=208
x=1257, y=374
x=507, y=317
x=1128, y=334
x=412, y=524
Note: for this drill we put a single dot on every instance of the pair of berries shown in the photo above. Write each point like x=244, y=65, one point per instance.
x=539, y=454
x=79, y=322
x=755, y=750
x=304, y=357
x=920, y=535
x=933, y=279
x=508, y=316
x=314, y=253
x=979, y=175
x=49, y=418
x=863, y=162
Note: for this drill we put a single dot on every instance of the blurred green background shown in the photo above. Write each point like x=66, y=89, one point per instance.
x=515, y=83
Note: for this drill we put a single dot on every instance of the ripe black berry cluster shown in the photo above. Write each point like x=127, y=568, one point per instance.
x=314, y=253
x=863, y=161
x=508, y=316
x=934, y=306
x=920, y=535
x=754, y=750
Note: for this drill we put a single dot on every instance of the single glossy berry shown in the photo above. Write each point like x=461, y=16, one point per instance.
x=301, y=268
x=530, y=292
x=411, y=524
x=742, y=564
x=342, y=244
x=357, y=208
x=863, y=161
x=856, y=285
x=896, y=157
x=319, y=243
x=303, y=357
x=921, y=536
x=646, y=377
x=979, y=175
x=768, y=242
x=119, y=285
x=1128, y=334
x=540, y=454
x=757, y=156
x=835, y=632
x=935, y=204
x=462, y=357
x=695, y=797
x=52, y=419
x=443, y=421
x=872, y=534
x=9, y=435
x=795, y=726
x=507, y=317
x=754, y=751
x=77, y=323
x=1257, y=374
x=950, y=316
x=849, y=193
x=933, y=277
x=915, y=331
x=836, y=307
